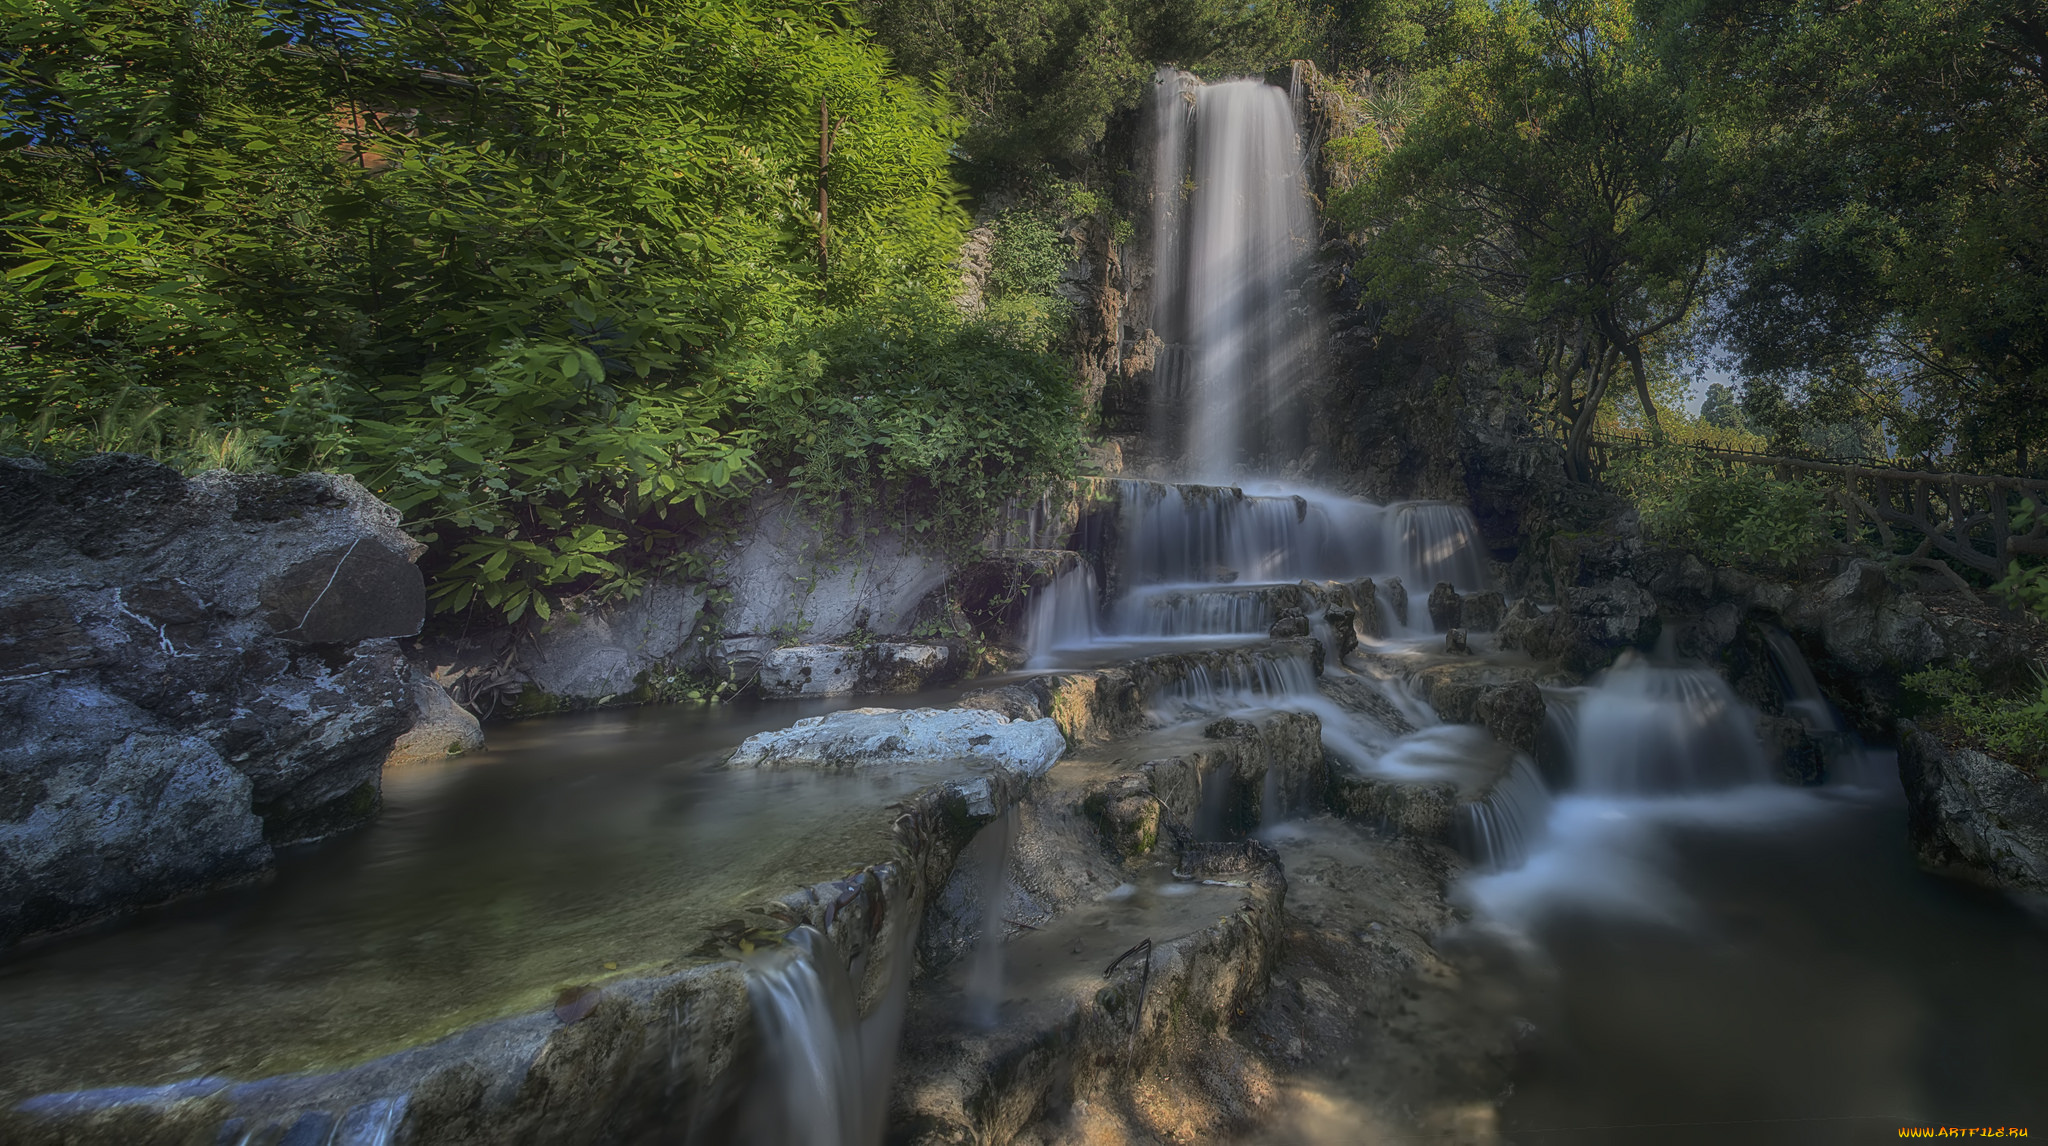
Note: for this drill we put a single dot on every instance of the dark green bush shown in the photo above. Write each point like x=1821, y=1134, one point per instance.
x=483, y=256
x=1727, y=514
x=908, y=411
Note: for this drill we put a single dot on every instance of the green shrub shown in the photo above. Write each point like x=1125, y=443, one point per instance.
x=1728, y=515
x=907, y=409
x=2014, y=728
x=1025, y=261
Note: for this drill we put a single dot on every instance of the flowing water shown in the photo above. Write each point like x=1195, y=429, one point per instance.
x=1234, y=232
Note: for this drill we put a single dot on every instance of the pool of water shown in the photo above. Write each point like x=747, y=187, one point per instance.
x=1781, y=977
x=575, y=850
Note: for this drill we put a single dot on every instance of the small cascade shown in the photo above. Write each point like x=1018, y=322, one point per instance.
x=804, y=1005
x=1842, y=751
x=1235, y=683
x=989, y=857
x=1063, y=617
x=1437, y=542
x=1500, y=831
x=1196, y=612
x=1560, y=736
x=1646, y=728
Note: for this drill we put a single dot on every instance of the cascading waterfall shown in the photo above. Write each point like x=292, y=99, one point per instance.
x=989, y=857
x=1498, y=832
x=1439, y=542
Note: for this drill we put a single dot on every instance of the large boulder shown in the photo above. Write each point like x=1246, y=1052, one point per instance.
x=191, y=672
x=865, y=738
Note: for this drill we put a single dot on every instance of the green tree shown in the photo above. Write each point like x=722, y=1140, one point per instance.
x=1722, y=409
x=1898, y=266
x=1570, y=173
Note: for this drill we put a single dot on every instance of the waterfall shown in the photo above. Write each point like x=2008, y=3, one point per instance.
x=804, y=1005
x=1645, y=728
x=989, y=857
x=1232, y=230
x=1062, y=616
x=1178, y=612
x=1843, y=753
x=1205, y=535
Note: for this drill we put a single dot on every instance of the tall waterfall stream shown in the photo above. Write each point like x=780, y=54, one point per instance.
x=1692, y=951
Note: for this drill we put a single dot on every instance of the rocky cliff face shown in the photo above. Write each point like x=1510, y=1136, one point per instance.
x=191, y=672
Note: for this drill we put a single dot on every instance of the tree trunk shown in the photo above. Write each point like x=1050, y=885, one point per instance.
x=1568, y=410
x=1577, y=458
x=1635, y=365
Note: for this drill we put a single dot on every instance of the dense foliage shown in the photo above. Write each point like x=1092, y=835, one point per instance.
x=1040, y=79
x=1731, y=515
x=1845, y=204
x=489, y=255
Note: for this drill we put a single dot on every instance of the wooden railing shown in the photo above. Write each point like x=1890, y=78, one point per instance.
x=1967, y=518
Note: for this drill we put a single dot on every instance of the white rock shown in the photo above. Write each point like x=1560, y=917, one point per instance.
x=810, y=670
x=841, y=670
x=887, y=737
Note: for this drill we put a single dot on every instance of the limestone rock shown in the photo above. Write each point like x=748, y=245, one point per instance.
x=347, y=594
x=1513, y=712
x=1343, y=629
x=1800, y=759
x=1290, y=625
x=886, y=737
x=591, y=651
x=1526, y=627
x=102, y=809
x=788, y=574
x=1456, y=644
x=1973, y=815
x=1372, y=624
x=1446, y=608
x=1396, y=595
